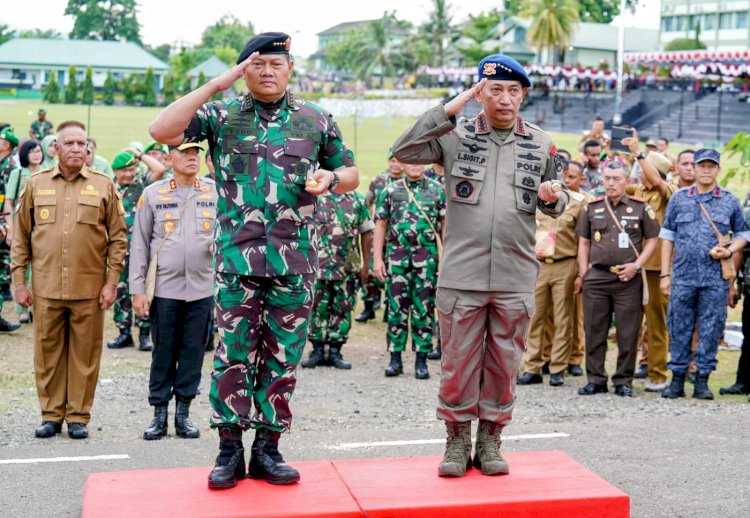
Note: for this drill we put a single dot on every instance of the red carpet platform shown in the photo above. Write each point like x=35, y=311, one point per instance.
x=540, y=484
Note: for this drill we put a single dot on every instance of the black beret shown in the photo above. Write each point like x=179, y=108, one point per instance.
x=266, y=43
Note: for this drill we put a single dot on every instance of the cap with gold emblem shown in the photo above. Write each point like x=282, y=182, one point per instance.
x=504, y=68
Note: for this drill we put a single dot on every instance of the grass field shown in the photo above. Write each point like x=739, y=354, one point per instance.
x=114, y=127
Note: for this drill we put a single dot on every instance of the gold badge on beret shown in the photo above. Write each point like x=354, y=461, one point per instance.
x=44, y=214
x=489, y=69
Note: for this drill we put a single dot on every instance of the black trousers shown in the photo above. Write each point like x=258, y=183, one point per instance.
x=178, y=330
x=743, y=368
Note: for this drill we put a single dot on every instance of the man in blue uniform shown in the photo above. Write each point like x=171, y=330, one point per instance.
x=698, y=291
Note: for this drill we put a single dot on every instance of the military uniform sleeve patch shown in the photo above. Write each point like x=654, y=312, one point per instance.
x=553, y=150
x=140, y=203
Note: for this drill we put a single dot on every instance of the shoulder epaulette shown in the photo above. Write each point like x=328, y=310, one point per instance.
x=577, y=196
x=597, y=199
x=636, y=198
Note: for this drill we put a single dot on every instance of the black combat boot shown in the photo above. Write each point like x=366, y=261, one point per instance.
x=230, y=464
x=436, y=353
x=144, y=341
x=367, y=314
x=376, y=305
x=701, y=390
x=183, y=426
x=317, y=356
x=266, y=462
x=676, y=388
x=158, y=427
x=6, y=327
x=420, y=367
x=124, y=339
x=395, y=367
x=334, y=356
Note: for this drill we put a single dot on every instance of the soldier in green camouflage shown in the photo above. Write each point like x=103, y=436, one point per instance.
x=41, y=127
x=340, y=220
x=266, y=148
x=130, y=187
x=372, y=287
x=437, y=173
x=8, y=141
x=407, y=216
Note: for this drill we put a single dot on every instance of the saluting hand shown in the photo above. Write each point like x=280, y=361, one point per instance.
x=455, y=105
x=228, y=78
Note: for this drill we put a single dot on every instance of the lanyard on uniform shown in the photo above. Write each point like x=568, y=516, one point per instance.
x=419, y=208
x=637, y=255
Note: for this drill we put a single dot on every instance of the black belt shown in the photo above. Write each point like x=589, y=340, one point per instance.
x=611, y=269
x=549, y=260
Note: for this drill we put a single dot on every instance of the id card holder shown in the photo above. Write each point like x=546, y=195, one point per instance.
x=622, y=240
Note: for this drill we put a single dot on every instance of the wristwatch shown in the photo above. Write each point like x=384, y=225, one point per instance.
x=334, y=182
x=640, y=156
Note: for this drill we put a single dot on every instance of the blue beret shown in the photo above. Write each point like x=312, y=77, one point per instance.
x=706, y=154
x=504, y=68
x=266, y=43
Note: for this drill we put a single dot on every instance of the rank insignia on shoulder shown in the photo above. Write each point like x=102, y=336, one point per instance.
x=650, y=212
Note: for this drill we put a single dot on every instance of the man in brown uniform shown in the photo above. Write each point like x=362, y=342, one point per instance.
x=556, y=249
x=498, y=170
x=656, y=192
x=70, y=229
x=611, y=229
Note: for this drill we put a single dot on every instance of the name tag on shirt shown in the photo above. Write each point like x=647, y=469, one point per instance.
x=622, y=240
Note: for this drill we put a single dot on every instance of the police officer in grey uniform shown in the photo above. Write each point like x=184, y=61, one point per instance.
x=175, y=220
x=498, y=170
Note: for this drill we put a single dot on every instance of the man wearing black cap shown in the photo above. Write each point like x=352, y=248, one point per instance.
x=498, y=170
x=273, y=154
x=698, y=284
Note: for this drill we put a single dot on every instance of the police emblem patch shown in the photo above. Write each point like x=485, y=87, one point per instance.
x=44, y=214
x=526, y=198
x=464, y=189
x=169, y=227
x=489, y=69
x=528, y=181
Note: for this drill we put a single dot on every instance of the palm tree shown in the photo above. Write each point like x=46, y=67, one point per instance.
x=553, y=24
x=375, y=49
x=439, y=30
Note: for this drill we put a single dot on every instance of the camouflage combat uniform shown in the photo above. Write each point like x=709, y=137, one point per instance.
x=41, y=129
x=266, y=252
x=123, y=308
x=371, y=291
x=6, y=167
x=412, y=256
x=340, y=219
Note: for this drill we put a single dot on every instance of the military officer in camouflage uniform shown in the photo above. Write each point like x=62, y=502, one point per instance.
x=372, y=288
x=437, y=173
x=407, y=216
x=8, y=141
x=340, y=220
x=130, y=188
x=266, y=148
x=499, y=169
x=41, y=127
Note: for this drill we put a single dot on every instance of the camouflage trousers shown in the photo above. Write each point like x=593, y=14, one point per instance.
x=4, y=264
x=262, y=329
x=371, y=290
x=331, y=318
x=123, y=308
x=411, y=293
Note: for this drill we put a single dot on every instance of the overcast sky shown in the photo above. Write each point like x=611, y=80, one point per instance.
x=169, y=21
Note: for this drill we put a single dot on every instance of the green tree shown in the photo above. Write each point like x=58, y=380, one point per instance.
x=201, y=79
x=162, y=51
x=479, y=29
x=132, y=89
x=553, y=24
x=149, y=88
x=43, y=34
x=108, y=92
x=88, y=88
x=596, y=11
x=71, y=90
x=52, y=89
x=229, y=31
x=739, y=144
x=6, y=33
x=684, y=44
x=439, y=30
x=169, y=89
x=107, y=20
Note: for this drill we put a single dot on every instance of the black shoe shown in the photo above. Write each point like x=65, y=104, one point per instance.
x=376, y=305
x=395, y=367
x=676, y=388
x=183, y=426
x=575, y=370
x=701, y=390
x=592, y=388
x=26, y=318
x=737, y=389
x=77, y=431
x=529, y=378
x=48, y=429
x=230, y=463
x=420, y=367
x=545, y=368
x=266, y=462
x=144, y=342
x=6, y=327
x=317, y=356
x=436, y=353
x=641, y=372
x=367, y=313
x=158, y=427
x=335, y=359
x=690, y=378
x=124, y=339
x=557, y=379
x=624, y=391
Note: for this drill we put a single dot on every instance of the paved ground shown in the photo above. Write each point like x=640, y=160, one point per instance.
x=676, y=459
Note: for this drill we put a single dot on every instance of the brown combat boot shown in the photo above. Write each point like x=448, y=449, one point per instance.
x=457, y=458
x=488, y=457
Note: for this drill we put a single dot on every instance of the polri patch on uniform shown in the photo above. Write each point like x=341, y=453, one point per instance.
x=465, y=190
x=169, y=227
x=140, y=203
